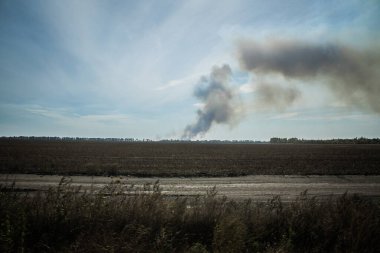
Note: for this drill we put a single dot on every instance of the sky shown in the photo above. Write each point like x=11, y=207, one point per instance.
x=238, y=69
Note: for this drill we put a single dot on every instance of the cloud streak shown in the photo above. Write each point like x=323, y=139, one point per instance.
x=221, y=101
x=351, y=74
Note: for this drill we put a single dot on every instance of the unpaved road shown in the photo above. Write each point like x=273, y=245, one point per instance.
x=258, y=188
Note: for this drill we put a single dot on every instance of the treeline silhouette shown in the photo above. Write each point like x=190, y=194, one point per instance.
x=91, y=139
x=360, y=140
x=71, y=139
x=274, y=140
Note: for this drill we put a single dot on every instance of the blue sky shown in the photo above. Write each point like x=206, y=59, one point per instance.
x=129, y=68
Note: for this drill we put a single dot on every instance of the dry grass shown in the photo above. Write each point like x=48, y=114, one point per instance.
x=64, y=219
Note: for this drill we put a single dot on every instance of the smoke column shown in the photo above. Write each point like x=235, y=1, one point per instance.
x=351, y=74
x=221, y=102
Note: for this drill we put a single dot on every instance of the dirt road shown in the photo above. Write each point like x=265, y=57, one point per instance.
x=258, y=188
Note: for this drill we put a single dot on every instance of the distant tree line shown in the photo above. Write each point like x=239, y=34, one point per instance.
x=361, y=140
x=80, y=139
x=71, y=139
x=274, y=140
x=212, y=141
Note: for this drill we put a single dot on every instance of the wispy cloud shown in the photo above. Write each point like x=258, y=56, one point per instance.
x=199, y=105
x=67, y=116
x=247, y=88
x=189, y=80
x=334, y=117
x=287, y=115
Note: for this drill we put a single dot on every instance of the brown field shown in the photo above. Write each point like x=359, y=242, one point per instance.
x=186, y=159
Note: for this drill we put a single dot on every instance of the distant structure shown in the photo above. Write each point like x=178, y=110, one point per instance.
x=293, y=140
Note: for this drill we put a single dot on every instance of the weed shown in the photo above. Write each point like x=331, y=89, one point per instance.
x=122, y=218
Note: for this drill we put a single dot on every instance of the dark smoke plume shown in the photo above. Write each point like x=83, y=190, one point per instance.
x=276, y=97
x=221, y=102
x=352, y=74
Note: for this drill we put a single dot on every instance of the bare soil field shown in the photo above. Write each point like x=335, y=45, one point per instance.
x=186, y=159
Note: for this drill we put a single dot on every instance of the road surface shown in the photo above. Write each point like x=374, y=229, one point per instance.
x=260, y=188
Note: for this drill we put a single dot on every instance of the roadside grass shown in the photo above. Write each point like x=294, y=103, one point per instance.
x=122, y=218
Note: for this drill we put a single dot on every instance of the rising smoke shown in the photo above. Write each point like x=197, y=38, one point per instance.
x=221, y=102
x=352, y=74
x=275, y=96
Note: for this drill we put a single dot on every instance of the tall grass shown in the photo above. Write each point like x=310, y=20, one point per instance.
x=122, y=218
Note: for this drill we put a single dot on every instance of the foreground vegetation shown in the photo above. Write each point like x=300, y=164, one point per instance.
x=120, y=218
x=185, y=159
